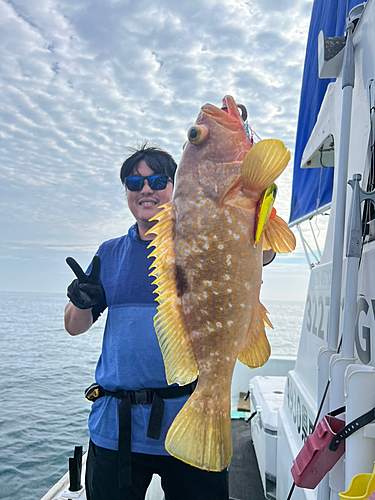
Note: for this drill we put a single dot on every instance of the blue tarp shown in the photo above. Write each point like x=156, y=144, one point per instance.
x=312, y=188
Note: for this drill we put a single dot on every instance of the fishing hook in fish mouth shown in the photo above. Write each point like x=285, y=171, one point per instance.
x=243, y=112
x=240, y=107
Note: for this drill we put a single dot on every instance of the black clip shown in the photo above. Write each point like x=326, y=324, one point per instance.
x=94, y=392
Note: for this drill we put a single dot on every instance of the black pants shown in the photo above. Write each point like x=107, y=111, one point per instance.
x=179, y=480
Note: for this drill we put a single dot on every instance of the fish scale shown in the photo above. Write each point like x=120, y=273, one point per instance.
x=208, y=275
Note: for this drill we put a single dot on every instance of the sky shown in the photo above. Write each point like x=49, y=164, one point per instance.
x=82, y=81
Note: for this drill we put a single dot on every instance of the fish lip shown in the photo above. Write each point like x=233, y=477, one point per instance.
x=230, y=118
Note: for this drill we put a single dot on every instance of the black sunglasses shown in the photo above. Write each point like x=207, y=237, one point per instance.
x=156, y=182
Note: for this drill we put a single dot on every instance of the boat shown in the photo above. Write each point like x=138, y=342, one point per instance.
x=289, y=398
x=334, y=171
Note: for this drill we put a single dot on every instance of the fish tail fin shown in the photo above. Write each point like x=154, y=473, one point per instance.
x=200, y=435
x=278, y=236
x=263, y=164
x=256, y=349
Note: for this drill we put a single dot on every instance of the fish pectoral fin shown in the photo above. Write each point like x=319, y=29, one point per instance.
x=179, y=360
x=278, y=236
x=256, y=349
x=262, y=165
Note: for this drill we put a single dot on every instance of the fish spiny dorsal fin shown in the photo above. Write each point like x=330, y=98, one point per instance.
x=262, y=165
x=278, y=236
x=180, y=364
x=256, y=349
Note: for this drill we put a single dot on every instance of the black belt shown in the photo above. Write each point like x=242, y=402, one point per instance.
x=154, y=397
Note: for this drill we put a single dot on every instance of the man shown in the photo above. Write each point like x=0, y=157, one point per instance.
x=133, y=405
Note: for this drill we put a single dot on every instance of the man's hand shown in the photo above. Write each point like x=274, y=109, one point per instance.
x=86, y=291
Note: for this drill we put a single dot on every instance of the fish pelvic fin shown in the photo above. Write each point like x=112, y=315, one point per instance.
x=278, y=236
x=262, y=165
x=200, y=435
x=179, y=360
x=264, y=211
x=256, y=349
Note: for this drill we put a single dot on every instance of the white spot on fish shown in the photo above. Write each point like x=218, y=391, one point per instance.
x=216, y=293
x=207, y=283
x=229, y=323
x=227, y=358
x=229, y=257
x=226, y=277
x=229, y=290
x=242, y=305
x=206, y=246
x=236, y=236
x=220, y=247
x=219, y=325
x=229, y=304
x=247, y=286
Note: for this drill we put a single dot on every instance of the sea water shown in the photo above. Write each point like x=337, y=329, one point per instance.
x=43, y=374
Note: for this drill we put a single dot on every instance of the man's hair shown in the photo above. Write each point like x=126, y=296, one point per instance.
x=156, y=158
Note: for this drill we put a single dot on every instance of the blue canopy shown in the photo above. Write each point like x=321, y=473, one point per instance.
x=312, y=188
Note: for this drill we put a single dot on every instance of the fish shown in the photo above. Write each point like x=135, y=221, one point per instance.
x=208, y=268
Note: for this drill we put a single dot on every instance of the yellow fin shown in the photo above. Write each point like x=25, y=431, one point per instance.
x=179, y=360
x=262, y=165
x=264, y=211
x=200, y=435
x=256, y=349
x=278, y=236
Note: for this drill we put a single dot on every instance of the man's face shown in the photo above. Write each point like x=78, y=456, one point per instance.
x=145, y=204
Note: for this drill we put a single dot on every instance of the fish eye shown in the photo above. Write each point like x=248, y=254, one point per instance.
x=197, y=134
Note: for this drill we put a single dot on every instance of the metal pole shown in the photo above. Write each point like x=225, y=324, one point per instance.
x=341, y=186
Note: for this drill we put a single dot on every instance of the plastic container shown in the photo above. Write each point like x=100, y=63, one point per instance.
x=362, y=487
x=315, y=458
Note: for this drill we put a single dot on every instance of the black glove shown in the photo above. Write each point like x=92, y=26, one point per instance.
x=86, y=291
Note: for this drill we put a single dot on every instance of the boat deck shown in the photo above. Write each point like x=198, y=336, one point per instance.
x=244, y=477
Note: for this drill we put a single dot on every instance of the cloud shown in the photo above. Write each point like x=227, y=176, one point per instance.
x=82, y=81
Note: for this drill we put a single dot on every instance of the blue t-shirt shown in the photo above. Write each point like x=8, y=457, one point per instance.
x=131, y=358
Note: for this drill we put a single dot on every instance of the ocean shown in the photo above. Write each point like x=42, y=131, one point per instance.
x=43, y=373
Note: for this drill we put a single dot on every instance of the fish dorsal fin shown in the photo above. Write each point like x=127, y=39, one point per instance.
x=278, y=236
x=256, y=349
x=262, y=166
x=179, y=360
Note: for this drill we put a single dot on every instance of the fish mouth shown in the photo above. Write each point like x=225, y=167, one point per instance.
x=228, y=115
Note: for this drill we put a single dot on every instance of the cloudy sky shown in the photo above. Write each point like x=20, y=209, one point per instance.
x=83, y=80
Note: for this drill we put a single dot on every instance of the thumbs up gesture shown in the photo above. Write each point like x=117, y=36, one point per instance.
x=86, y=290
